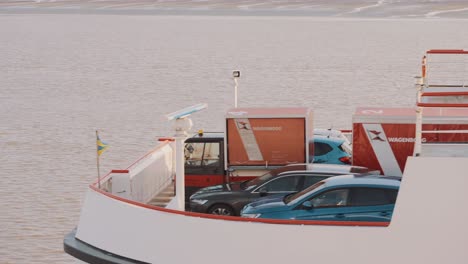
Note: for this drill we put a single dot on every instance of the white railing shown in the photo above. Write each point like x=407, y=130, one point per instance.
x=146, y=178
x=152, y=175
x=443, y=84
x=445, y=68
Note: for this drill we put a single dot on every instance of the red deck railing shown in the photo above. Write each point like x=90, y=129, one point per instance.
x=240, y=219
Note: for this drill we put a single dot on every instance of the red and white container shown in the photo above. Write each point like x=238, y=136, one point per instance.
x=268, y=136
x=383, y=138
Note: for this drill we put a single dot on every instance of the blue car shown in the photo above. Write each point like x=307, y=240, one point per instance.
x=330, y=150
x=339, y=198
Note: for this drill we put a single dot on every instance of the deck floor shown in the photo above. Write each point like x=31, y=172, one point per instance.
x=164, y=197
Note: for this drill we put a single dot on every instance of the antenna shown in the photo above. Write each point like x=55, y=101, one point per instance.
x=186, y=111
x=182, y=125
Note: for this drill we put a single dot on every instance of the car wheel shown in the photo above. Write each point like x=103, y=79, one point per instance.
x=221, y=209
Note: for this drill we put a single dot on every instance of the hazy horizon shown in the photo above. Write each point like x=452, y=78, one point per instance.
x=314, y=8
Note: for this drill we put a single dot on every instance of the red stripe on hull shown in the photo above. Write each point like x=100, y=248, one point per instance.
x=241, y=219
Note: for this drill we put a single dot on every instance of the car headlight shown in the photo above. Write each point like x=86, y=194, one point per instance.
x=198, y=201
x=251, y=215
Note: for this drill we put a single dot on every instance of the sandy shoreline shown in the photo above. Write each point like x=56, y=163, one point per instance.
x=317, y=8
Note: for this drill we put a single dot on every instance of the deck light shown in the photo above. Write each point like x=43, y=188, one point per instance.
x=235, y=75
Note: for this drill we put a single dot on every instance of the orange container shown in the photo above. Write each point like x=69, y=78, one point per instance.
x=267, y=136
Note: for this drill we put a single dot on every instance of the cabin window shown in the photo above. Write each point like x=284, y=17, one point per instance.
x=202, y=154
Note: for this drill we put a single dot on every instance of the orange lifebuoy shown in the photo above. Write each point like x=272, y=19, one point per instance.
x=424, y=67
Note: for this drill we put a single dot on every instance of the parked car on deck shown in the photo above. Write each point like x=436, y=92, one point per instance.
x=229, y=199
x=341, y=198
x=330, y=150
x=334, y=133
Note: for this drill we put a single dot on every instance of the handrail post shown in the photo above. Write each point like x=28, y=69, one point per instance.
x=419, y=112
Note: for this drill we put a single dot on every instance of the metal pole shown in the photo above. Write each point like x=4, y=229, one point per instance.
x=235, y=92
x=235, y=75
x=97, y=161
x=182, y=126
x=180, y=173
x=418, y=141
x=419, y=113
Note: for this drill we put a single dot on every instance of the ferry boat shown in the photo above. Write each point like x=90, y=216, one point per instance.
x=427, y=145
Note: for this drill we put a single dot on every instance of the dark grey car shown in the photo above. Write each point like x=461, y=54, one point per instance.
x=229, y=199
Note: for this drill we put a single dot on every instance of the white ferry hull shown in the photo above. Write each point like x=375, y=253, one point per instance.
x=428, y=226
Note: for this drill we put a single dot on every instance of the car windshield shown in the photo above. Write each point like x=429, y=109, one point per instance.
x=290, y=198
x=256, y=181
x=247, y=185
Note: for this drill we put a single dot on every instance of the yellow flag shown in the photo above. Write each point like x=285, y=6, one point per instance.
x=101, y=146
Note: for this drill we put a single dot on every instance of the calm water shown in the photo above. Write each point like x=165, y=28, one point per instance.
x=63, y=76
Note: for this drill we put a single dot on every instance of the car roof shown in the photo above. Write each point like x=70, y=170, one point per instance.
x=372, y=180
x=327, y=132
x=321, y=138
x=331, y=133
x=331, y=168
